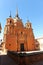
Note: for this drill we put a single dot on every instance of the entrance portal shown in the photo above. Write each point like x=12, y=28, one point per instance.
x=22, y=47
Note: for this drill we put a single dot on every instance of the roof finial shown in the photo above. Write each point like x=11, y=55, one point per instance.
x=16, y=12
x=10, y=14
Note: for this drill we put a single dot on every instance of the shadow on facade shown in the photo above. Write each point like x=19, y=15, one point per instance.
x=26, y=59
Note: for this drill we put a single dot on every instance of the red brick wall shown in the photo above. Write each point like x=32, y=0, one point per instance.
x=19, y=34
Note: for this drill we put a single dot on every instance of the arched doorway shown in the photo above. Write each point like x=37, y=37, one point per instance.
x=22, y=47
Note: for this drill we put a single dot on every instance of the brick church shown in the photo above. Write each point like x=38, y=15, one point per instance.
x=18, y=37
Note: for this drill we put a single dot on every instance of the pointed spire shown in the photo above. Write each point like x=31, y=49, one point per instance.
x=10, y=14
x=17, y=12
x=16, y=16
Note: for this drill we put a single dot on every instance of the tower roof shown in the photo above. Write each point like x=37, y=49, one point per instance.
x=17, y=12
x=10, y=14
x=17, y=16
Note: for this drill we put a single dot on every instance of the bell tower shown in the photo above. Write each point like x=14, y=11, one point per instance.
x=9, y=25
x=28, y=24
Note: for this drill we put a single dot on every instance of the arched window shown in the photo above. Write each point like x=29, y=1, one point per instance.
x=10, y=21
x=9, y=44
x=21, y=33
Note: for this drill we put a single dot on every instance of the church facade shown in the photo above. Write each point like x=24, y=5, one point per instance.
x=18, y=37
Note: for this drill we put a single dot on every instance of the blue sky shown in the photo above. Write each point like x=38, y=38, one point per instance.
x=31, y=10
